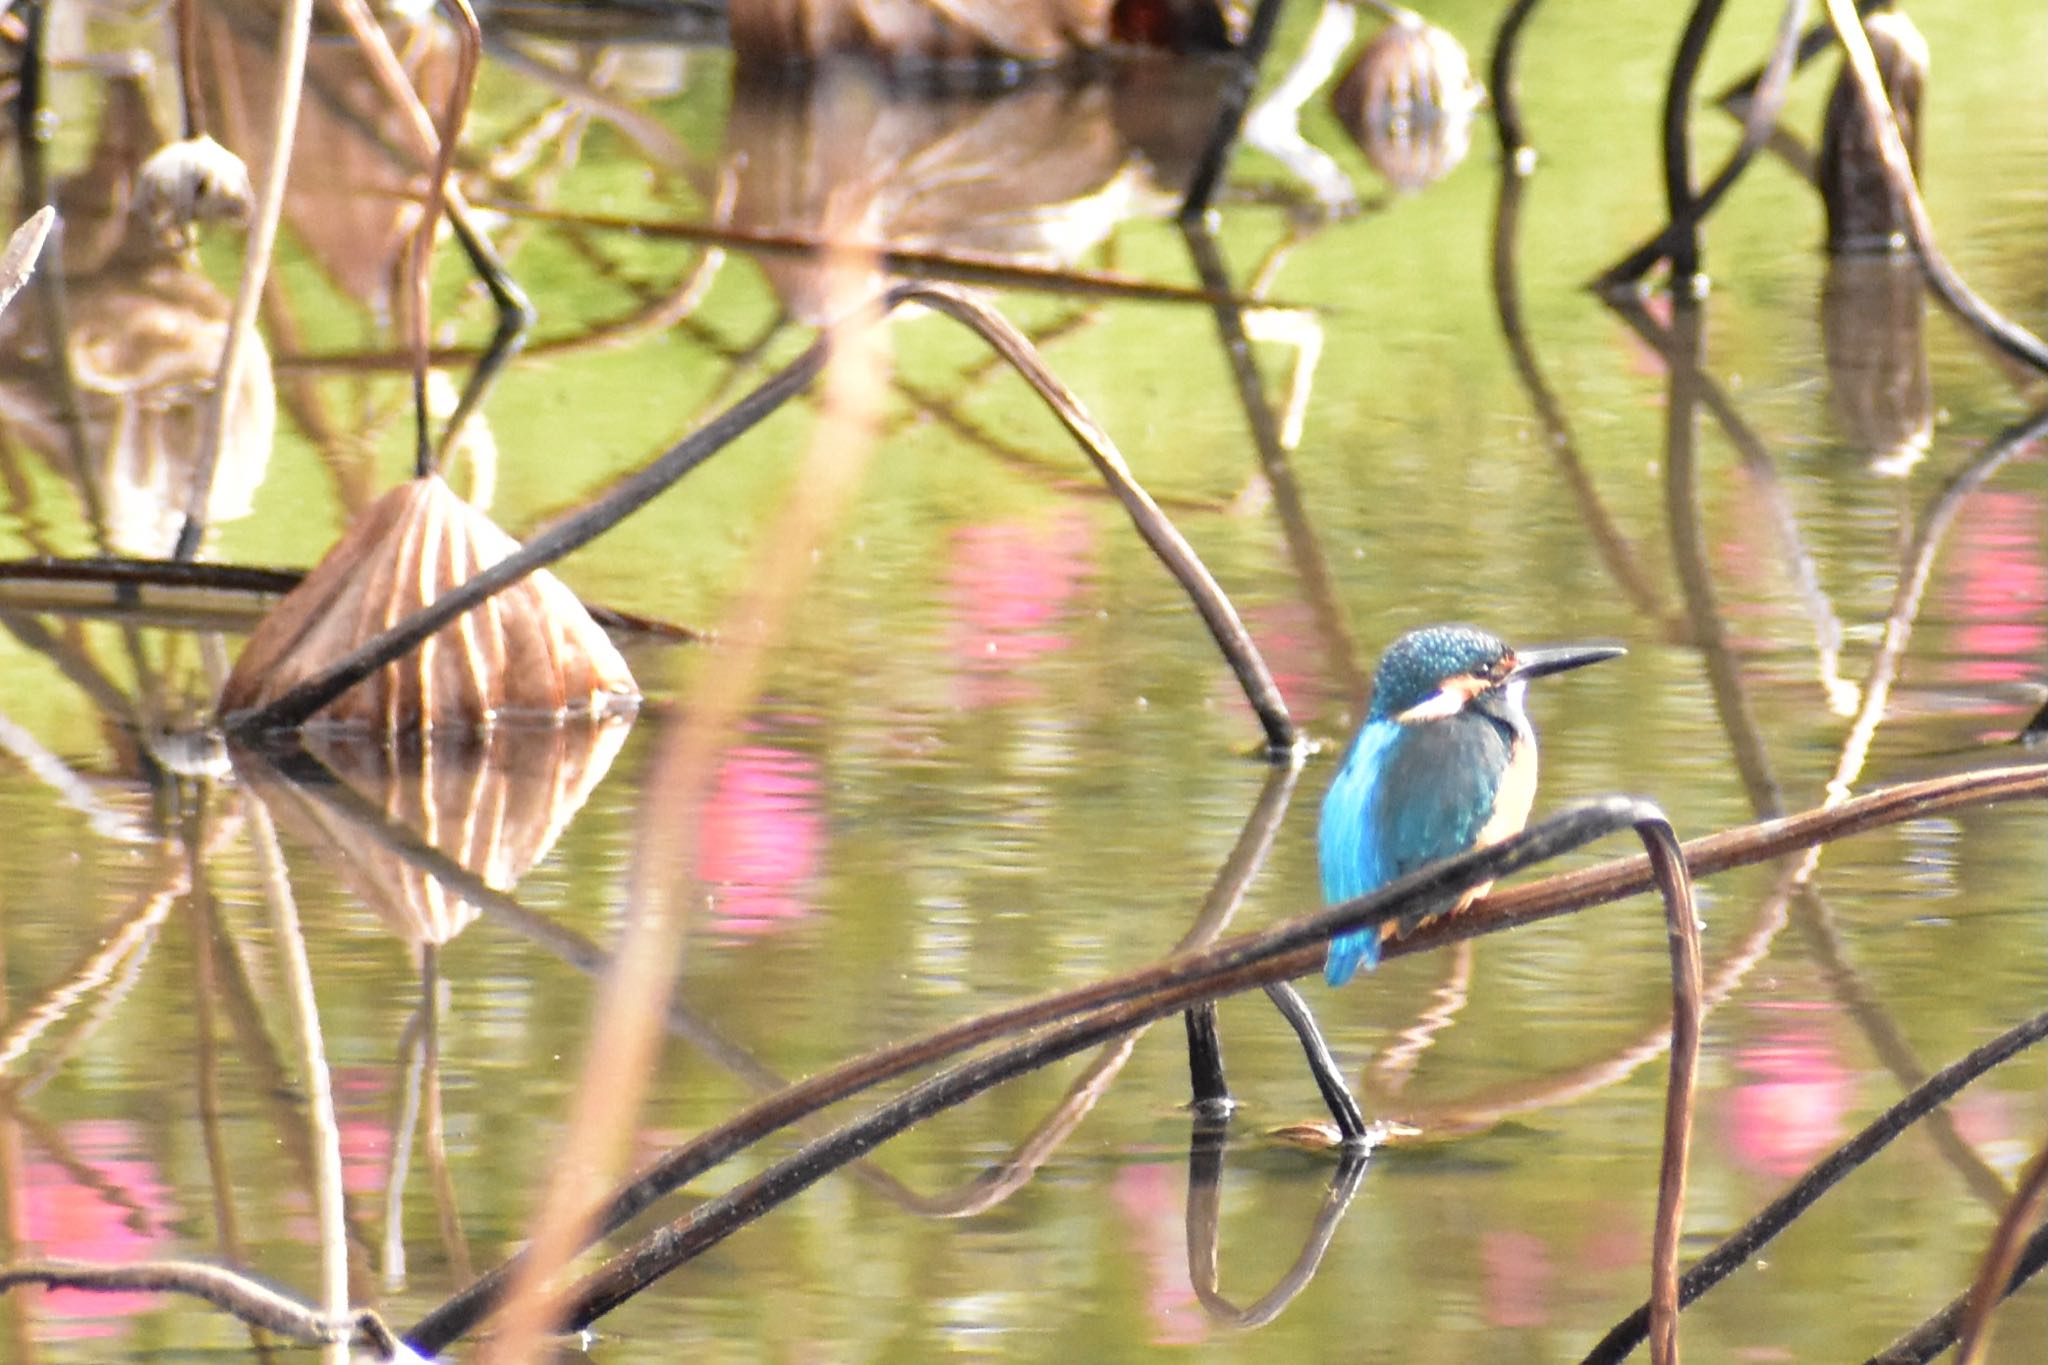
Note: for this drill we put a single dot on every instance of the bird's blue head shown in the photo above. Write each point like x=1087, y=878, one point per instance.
x=1436, y=670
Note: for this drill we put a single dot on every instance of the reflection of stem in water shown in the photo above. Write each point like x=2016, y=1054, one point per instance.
x=1231, y=102
x=2000, y=1259
x=33, y=125
x=305, y=1011
x=1393, y=1067
x=1311, y=566
x=1615, y=551
x=1204, y=1219
x=1274, y=126
x=2004, y=334
x=1914, y=574
x=1740, y=1249
x=1680, y=346
x=1759, y=123
x=1695, y=577
x=1678, y=193
x=1888, y=1041
x=295, y=30
x=454, y=1244
x=405, y=1120
x=206, y=1061
x=130, y=940
x=109, y=822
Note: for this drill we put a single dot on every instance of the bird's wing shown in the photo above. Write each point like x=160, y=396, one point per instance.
x=1348, y=847
x=1446, y=775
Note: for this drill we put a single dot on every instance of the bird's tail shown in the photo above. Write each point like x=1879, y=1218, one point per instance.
x=1349, y=952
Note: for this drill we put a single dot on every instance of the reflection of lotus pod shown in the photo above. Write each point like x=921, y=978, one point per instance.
x=531, y=650
x=1037, y=174
x=1863, y=213
x=494, y=804
x=1407, y=101
x=1872, y=308
x=778, y=31
x=187, y=183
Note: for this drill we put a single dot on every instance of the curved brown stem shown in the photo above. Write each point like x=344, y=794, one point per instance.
x=2001, y=1257
x=631, y=494
x=1759, y=120
x=1205, y=1201
x=469, y=51
x=2008, y=336
x=228, y=1290
x=1741, y=1248
x=1679, y=201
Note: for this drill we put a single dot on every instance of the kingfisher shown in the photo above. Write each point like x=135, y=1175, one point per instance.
x=1445, y=762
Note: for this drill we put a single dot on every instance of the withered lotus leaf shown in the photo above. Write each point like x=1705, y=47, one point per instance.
x=530, y=651
x=917, y=30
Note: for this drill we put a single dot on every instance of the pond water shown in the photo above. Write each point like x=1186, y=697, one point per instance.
x=987, y=751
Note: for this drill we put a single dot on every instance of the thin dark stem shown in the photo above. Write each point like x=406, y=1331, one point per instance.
x=634, y=492
x=1235, y=98
x=1208, y=1087
x=1615, y=551
x=1812, y=43
x=469, y=48
x=2000, y=1259
x=1759, y=121
x=1678, y=195
x=226, y=1289
x=1938, y=1333
x=1517, y=156
x=1329, y=1077
x=1741, y=1248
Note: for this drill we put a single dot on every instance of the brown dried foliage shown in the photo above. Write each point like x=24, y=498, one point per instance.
x=531, y=650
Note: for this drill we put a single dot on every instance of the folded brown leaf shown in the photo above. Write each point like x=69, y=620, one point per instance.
x=530, y=651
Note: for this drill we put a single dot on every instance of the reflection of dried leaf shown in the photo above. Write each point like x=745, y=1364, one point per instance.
x=357, y=214
x=1872, y=308
x=18, y=262
x=532, y=650
x=494, y=803
x=1321, y=1135
x=922, y=30
x=144, y=349
x=1036, y=175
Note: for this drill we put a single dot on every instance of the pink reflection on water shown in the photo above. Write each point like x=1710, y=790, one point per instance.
x=1149, y=1198
x=1790, y=1106
x=1519, y=1278
x=1009, y=586
x=761, y=839
x=1996, y=588
x=363, y=1116
x=108, y=1206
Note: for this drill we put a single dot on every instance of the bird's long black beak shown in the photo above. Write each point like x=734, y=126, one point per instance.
x=1541, y=663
